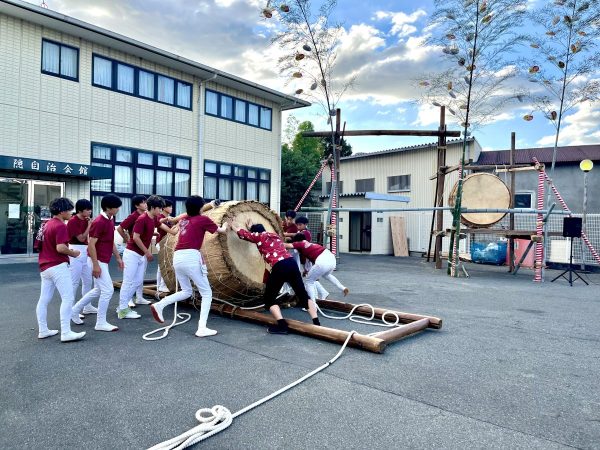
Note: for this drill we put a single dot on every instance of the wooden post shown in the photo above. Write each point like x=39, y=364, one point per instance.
x=372, y=344
x=434, y=322
x=395, y=334
x=441, y=178
x=511, y=240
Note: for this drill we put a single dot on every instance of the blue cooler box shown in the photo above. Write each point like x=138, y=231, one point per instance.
x=489, y=253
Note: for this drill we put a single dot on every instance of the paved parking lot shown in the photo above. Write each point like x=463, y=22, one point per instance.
x=515, y=366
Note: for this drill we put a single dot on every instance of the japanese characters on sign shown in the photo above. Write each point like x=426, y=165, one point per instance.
x=44, y=166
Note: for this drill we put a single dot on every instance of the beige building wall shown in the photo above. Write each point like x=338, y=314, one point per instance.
x=47, y=117
x=421, y=164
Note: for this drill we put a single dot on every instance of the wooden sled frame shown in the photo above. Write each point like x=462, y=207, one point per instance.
x=376, y=343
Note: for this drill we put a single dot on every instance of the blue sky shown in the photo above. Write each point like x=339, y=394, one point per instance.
x=381, y=44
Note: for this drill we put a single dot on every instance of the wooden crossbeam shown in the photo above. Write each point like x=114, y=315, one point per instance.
x=385, y=133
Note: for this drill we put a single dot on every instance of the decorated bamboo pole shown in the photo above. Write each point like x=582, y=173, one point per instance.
x=539, y=246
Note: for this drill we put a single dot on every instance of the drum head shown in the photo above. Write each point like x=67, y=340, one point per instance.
x=482, y=190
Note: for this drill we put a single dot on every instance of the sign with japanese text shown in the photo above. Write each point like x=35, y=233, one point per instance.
x=58, y=168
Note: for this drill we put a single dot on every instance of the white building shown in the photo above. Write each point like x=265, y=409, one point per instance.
x=404, y=172
x=85, y=111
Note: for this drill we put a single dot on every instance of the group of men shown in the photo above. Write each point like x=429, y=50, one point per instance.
x=76, y=249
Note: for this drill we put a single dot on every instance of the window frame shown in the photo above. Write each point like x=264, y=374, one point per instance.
x=136, y=83
x=231, y=177
x=532, y=199
x=399, y=190
x=59, y=74
x=134, y=165
x=234, y=106
x=364, y=180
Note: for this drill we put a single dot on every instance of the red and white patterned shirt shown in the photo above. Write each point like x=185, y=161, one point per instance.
x=269, y=245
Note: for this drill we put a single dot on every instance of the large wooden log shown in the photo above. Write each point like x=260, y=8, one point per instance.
x=369, y=343
x=384, y=133
x=434, y=322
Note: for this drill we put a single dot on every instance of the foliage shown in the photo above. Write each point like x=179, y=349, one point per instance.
x=565, y=60
x=300, y=162
x=326, y=147
x=475, y=38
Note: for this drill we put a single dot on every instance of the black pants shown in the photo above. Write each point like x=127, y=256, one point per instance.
x=285, y=271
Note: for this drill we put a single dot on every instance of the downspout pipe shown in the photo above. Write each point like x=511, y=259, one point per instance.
x=200, y=175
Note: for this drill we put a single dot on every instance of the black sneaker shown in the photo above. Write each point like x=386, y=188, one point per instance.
x=277, y=329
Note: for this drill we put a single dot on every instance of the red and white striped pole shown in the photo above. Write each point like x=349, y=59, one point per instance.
x=539, y=246
x=334, y=204
x=310, y=186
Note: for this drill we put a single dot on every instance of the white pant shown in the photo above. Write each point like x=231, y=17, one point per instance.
x=189, y=266
x=80, y=270
x=322, y=293
x=160, y=282
x=56, y=277
x=323, y=267
x=103, y=290
x=133, y=277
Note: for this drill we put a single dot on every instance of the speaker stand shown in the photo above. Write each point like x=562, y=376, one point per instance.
x=571, y=271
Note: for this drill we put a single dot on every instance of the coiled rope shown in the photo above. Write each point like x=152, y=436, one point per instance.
x=216, y=419
x=185, y=317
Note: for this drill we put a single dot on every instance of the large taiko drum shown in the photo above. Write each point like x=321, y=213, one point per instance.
x=235, y=268
x=482, y=190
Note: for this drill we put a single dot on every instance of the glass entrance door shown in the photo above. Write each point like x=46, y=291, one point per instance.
x=24, y=207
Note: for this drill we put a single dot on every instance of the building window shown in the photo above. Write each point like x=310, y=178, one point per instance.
x=238, y=110
x=364, y=185
x=140, y=172
x=234, y=182
x=120, y=77
x=523, y=199
x=398, y=183
x=340, y=187
x=60, y=60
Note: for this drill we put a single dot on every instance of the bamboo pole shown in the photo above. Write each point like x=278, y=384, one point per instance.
x=511, y=241
x=369, y=343
x=434, y=322
x=397, y=333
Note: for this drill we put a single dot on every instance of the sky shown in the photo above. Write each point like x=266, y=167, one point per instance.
x=382, y=44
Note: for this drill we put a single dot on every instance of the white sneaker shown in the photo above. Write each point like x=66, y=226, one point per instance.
x=128, y=314
x=142, y=301
x=90, y=309
x=130, y=304
x=70, y=336
x=203, y=332
x=156, y=310
x=105, y=327
x=76, y=319
x=47, y=333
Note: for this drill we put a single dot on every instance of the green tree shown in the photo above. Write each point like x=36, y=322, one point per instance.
x=300, y=162
x=326, y=147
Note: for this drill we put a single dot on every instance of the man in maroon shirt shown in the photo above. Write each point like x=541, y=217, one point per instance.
x=137, y=255
x=54, y=271
x=289, y=227
x=125, y=230
x=101, y=247
x=79, y=227
x=283, y=270
x=189, y=264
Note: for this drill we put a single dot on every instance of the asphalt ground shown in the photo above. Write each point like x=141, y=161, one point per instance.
x=515, y=365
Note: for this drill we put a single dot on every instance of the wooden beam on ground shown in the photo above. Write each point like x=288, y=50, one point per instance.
x=384, y=133
x=434, y=322
x=372, y=344
x=395, y=334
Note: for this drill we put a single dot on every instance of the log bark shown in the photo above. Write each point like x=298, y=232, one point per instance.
x=397, y=333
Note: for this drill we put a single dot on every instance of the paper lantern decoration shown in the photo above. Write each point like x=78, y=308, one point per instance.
x=528, y=117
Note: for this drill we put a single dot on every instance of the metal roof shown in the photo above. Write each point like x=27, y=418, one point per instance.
x=567, y=154
x=66, y=24
x=403, y=149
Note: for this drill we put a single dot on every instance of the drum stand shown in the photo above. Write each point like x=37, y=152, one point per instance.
x=460, y=265
x=570, y=270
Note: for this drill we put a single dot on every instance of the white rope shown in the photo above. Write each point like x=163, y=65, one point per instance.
x=216, y=419
x=363, y=319
x=165, y=330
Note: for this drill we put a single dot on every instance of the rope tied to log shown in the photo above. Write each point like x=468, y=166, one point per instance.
x=218, y=418
x=366, y=320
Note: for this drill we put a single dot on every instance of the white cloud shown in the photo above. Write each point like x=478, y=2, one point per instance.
x=401, y=21
x=578, y=128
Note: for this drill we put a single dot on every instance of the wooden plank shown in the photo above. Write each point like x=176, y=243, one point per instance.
x=384, y=133
x=398, y=226
x=333, y=305
x=372, y=344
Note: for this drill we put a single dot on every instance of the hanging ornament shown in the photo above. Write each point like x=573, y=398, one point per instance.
x=299, y=91
x=267, y=13
x=451, y=36
x=469, y=37
x=561, y=64
x=313, y=86
x=297, y=75
x=582, y=33
x=534, y=45
x=583, y=7
x=449, y=85
x=323, y=83
x=451, y=111
x=465, y=124
x=284, y=8
x=436, y=104
x=306, y=48
x=461, y=61
x=463, y=106
x=550, y=33
x=483, y=7
x=450, y=16
x=299, y=56
x=471, y=67
x=553, y=115
x=568, y=20
x=534, y=69
x=555, y=20
x=487, y=19
x=424, y=83
x=528, y=117
x=452, y=94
